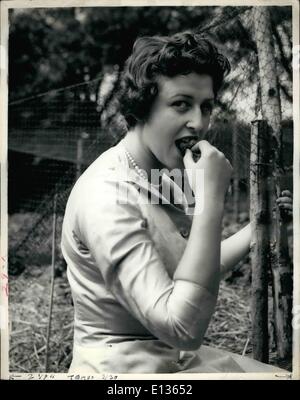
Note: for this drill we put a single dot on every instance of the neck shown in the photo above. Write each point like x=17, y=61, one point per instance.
x=141, y=153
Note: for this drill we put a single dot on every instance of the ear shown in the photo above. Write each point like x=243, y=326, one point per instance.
x=153, y=89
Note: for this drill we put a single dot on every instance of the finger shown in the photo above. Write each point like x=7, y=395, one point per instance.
x=195, y=147
x=284, y=200
x=188, y=159
x=286, y=193
x=203, y=145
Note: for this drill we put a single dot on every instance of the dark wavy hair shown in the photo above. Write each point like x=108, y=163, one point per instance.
x=169, y=56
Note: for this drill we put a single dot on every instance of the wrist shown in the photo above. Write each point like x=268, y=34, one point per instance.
x=210, y=205
x=210, y=215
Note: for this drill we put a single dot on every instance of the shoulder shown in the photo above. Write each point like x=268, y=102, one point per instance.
x=112, y=162
x=103, y=192
x=110, y=171
x=105, y=187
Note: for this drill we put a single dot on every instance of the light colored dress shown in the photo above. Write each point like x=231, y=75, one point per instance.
x=121, y=252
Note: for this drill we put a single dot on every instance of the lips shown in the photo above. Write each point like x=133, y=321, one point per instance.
x=185, y=143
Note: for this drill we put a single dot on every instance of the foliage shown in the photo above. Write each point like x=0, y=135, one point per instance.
x=51, y=48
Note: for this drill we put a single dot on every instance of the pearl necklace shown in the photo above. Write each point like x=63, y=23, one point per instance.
x=138, y=170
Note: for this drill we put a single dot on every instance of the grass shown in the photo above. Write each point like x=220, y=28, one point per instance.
x=28, y=309
x=230, y=327
x=29, y=302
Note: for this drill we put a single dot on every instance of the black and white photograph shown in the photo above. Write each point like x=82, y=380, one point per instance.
x=150, y=190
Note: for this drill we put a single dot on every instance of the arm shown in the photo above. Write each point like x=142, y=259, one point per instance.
x=200, y=262
x=235, y=248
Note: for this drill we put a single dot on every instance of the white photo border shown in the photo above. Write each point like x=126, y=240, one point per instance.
x=5, y=6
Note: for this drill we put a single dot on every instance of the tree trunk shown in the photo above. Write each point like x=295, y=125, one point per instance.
x=259, y=253
x=271, y=112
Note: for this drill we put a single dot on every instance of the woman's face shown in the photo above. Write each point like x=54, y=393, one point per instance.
x=182, y=108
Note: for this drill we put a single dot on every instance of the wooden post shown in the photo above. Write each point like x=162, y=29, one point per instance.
x=236, y=193
x=52, y=281
x=259, y=253
x=271, y=112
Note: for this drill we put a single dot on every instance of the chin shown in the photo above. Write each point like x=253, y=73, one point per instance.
x=176, y=164
x=176, y=161
x=172, y=160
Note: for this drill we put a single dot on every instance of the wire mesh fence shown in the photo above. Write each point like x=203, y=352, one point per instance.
x=54, y=136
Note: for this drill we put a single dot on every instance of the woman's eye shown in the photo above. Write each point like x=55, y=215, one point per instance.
x=181, y=105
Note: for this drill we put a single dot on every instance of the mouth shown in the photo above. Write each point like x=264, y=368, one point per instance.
x=185, y=143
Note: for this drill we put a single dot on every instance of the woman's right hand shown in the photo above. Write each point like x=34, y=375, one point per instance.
x=217, y=170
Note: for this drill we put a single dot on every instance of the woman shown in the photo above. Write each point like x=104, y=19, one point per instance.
x=143, y=251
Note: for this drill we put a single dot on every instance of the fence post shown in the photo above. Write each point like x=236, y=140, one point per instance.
x=271, y=112
x=53, y=262
x=259, y=253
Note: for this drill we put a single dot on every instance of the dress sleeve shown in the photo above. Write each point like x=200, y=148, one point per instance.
x=177, y=312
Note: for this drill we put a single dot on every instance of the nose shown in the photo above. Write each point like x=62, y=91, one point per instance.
x=195, y=122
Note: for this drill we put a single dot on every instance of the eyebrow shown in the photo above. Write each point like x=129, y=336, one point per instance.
x=190, y=97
